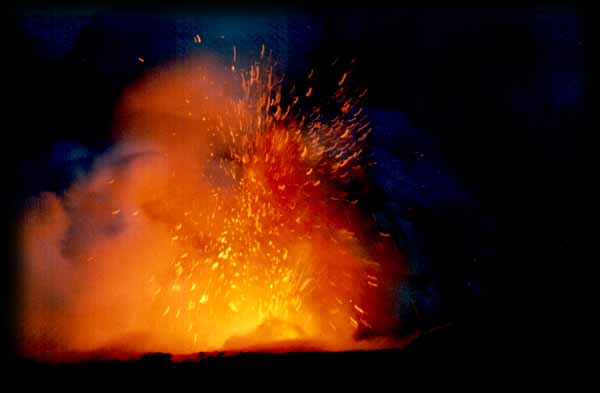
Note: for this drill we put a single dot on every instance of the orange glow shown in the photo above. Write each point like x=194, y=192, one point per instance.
x=219, y=221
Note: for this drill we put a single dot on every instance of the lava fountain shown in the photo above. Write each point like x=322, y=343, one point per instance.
x=226, y=217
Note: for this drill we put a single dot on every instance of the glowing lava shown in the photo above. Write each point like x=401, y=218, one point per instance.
x=224, y=218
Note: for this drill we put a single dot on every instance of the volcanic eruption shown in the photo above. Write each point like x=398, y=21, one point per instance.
x=227, y=216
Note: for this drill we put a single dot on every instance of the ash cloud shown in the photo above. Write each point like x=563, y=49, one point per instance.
x=90, y=252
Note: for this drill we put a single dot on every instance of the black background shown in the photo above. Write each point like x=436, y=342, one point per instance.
x=501, y=88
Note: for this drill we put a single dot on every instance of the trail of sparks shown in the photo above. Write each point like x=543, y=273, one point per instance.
x=248, y=259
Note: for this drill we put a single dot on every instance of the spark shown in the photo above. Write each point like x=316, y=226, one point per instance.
x=360, y=310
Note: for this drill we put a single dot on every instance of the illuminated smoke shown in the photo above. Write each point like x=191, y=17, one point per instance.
x=221, y=219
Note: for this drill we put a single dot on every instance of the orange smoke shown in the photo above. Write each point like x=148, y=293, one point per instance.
x=221, y=220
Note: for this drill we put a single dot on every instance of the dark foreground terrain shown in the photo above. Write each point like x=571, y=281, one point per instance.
x=450, y=350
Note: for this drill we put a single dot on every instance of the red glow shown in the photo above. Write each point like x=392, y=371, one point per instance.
x=217, y=222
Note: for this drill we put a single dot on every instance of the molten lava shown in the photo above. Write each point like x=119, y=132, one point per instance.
x=224, y=218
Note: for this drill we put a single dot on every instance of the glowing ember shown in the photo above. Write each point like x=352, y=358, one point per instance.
x=223, y=219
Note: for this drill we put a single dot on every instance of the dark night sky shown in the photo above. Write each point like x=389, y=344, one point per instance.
x=474, y=110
